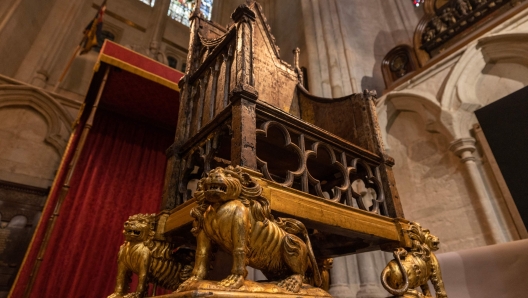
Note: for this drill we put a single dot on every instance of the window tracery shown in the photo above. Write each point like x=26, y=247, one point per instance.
x=180, y=10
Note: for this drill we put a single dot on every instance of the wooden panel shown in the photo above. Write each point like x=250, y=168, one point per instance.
x=317, y=213
x=328, y=216
x=180, y=216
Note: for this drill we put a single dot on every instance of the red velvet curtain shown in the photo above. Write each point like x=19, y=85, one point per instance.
x=120, y=173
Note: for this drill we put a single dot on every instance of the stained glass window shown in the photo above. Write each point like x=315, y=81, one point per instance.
x=180, y=10
x=149, y=2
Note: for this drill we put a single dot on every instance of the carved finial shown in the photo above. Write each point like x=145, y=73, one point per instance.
x=196, y=8
x=296, y=53
x=250, y=2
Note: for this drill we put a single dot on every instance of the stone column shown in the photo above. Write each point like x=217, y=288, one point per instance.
x=337, y=60
x=62, y=20
x=329, y=72
x=319, y=77
x=339, y=280
x=369, y=277
x=353, y=274
x=464, y=149
x=157, y=24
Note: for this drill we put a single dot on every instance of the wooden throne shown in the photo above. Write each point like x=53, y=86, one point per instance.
x=242, y=105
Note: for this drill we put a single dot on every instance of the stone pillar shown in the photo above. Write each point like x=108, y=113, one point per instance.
x=369, y=277
x=339, y=280
x=62, y=20
x=464, y=149
x=337, y=60
x=353, y=274
x=329, y=61
x=319, y=80
x=157, y=24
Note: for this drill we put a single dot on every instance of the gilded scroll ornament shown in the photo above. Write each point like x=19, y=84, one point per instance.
x=412, y=268
x=233, y=215
x=151, y=259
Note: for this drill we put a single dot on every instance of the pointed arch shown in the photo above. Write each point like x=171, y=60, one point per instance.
x=422, y=103
x=461, y=86
x=58, y=119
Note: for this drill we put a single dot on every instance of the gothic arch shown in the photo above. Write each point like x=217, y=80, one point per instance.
x=424, y=104
x=460, y=89
x=57, y=118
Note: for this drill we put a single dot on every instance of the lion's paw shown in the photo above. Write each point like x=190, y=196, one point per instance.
x=133, y=295
x=292, y=283
x=233, y=281
x=187, y=283
x=115, y=295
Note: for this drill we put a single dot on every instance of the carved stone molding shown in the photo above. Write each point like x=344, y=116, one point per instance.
x=58, y=119
x=464, y=148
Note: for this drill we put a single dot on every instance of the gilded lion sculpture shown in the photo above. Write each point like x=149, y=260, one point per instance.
x=232, y=214
x=152, y=260
x=413, y=268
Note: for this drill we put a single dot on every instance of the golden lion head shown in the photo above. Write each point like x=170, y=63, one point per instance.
x=431, y=240
x=139, y=227
x=223, y=185
x=423, y=242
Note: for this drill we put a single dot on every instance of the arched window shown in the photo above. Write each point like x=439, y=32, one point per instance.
x=172, y=62
x=180, y=10
x=149, y=2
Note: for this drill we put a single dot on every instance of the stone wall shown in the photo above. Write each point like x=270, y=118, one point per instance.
x=19, y=215
x=444, y=178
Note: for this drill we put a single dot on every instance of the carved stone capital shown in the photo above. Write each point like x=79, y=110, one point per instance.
x=463, y=148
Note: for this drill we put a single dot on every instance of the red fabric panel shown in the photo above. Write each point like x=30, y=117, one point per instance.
x=140, y=61
x=140, y=98
x=120, y=173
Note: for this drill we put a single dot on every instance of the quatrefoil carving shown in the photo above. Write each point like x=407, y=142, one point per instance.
x=334, y=163
x=288, y=144
x=341, y=185
x=363, y=172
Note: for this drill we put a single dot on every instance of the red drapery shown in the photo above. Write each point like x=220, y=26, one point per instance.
x=120, y=173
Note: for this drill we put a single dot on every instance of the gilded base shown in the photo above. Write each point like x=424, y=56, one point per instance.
x=250, y=289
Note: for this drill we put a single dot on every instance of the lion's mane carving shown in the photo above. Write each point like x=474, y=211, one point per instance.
x=232, y=214
x=152, y=260
x=413, y=268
